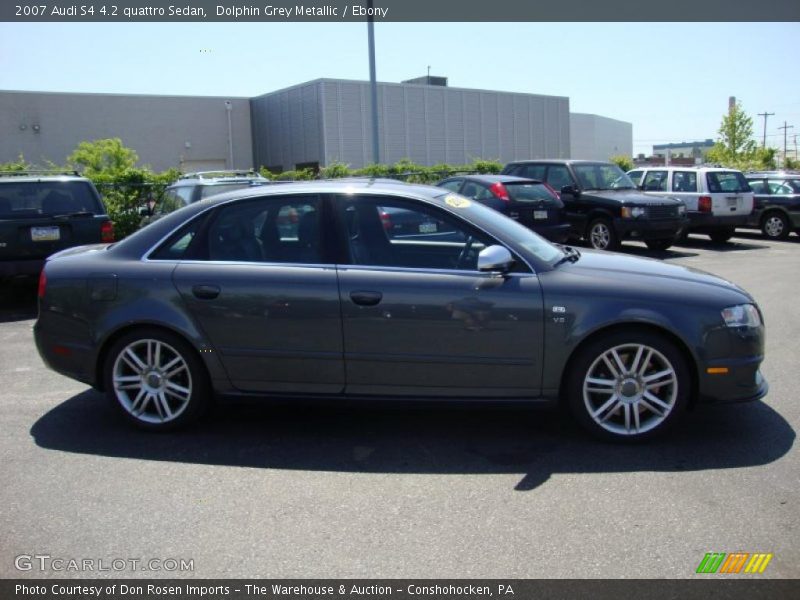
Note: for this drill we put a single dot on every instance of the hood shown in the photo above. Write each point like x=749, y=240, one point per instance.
x=633, y=197
x=662, y=278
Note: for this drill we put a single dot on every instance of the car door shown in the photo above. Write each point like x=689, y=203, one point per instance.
x=419, y=319
x=683, y=185
x=259, y=283
x=576, y=206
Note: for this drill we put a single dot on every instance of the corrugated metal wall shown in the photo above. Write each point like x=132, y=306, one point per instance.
x=329, y=120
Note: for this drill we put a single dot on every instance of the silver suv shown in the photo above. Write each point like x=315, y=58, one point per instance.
x=717, y=200
x=192, y=187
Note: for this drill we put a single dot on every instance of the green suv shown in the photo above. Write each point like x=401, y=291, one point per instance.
x=43, y=212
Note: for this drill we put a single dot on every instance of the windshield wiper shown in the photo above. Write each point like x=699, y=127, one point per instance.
x=570, y=255
x=79, y=213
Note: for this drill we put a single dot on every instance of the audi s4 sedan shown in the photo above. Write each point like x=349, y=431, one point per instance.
x=229, y=297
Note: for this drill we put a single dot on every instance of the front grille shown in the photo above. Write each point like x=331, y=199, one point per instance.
x=664, y=211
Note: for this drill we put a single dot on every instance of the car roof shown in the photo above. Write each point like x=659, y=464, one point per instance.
x=778, y=174
x=683, y=168
x=559, y=161
x=43, y=175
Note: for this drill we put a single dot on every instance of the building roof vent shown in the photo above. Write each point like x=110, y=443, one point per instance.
x=428, y=80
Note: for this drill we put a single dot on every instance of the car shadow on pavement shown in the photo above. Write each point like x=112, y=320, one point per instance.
x=18, y=300
x=533, y=443
x=735, y=244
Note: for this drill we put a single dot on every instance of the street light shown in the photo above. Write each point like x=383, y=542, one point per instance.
x=373, y=84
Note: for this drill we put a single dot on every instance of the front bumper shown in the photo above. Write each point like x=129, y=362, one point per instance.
x=729, y=371
x=643, y=229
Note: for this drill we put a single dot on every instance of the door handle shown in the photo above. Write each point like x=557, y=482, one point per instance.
x=366, y=298
x=205, y=292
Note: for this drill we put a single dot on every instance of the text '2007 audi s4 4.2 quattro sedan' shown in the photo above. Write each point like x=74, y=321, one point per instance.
x=383, y=290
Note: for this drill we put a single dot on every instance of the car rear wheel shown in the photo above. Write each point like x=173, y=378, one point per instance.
x=156, y=379
x=720, y=236
x=601, y=235
x=659, y=244
x=628, y=386
x=775, y=226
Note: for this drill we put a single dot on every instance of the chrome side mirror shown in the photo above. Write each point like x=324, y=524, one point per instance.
x=495, y=258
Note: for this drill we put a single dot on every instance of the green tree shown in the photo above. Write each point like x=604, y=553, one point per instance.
x=15, y=165
x=622, y=161
x=791, y=164
x=107, y=157
x=735, y=146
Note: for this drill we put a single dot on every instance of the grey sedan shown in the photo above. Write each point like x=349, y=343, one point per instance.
x=307, y=290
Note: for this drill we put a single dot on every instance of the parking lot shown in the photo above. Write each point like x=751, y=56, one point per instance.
x=276, y=490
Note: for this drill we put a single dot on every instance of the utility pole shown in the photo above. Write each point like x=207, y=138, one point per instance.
x=373, y=84
x=785, y=129
x=765, y=115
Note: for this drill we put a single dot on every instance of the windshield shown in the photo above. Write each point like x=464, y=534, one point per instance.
x=514, y=234
x=726, y=181
x=602, y=176
x=32, y=199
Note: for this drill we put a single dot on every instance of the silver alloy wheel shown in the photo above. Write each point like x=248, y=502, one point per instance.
x=600, y=236
x=773, y=226
x=630, y=389
x=152, y=381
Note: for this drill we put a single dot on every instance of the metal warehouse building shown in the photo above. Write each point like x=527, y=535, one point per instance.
x=311, y=124
x=329, y=120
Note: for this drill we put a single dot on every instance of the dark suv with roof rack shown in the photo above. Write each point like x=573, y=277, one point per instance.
x=603, y=205
x=43, y=212
x=776, y=205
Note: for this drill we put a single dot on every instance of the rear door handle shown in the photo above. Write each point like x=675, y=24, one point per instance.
x=366, y=298
x=205, y=292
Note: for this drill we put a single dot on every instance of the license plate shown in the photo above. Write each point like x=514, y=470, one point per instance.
x=539, y=214
x=733, y=201
x=427, y=227
x=45, y=234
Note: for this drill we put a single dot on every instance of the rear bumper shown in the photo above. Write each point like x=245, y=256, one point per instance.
x=704, y=221
x=64, y=347
x=13, y=268
x=649, y=229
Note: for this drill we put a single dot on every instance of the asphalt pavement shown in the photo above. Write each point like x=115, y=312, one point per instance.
x=281, y=490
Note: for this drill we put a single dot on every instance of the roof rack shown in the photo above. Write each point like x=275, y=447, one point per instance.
x=220, y=173
x=40, y=172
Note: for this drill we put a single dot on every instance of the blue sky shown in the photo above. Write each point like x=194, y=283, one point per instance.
x=671, y=80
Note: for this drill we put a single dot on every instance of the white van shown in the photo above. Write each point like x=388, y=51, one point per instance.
x=717, y=200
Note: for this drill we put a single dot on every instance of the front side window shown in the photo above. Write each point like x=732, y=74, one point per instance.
x=603, y=176
x=655, y=181
x=684, y=181
x=636, y=176
x=395, y=232
x=557, y=176
x=282, y=229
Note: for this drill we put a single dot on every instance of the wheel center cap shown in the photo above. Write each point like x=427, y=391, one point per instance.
x=629, y=388
x=154, y=380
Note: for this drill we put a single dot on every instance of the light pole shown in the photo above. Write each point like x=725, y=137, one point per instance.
x=229, y=109
x=373, y=84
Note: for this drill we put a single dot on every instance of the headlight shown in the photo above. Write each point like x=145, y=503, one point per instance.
x=633, y=212
x=741, y=315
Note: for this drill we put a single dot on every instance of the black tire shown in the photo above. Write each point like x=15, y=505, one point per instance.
x=601, y=235
x=720, y=236
x=775, y=225
x=610, y=423
x=164, y=407
x=659, y=245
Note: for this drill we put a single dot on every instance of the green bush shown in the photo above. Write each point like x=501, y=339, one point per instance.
x=623, y=162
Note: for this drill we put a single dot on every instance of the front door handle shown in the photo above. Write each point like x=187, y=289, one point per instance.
x=366, y=298
x=205, y=292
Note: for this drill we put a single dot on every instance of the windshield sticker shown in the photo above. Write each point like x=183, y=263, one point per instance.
x=457, y=201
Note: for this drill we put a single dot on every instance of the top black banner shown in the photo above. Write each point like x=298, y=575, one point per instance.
x=400, y=11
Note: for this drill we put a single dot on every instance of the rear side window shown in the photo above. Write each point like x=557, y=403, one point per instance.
x=684, y=181
x=531, y=172
x=759, y=186
x=726, y=181
x=177, y=246
x=476, y=191
x=451, y=185
x=779, y=186
x=655, y=181
x=31, y=199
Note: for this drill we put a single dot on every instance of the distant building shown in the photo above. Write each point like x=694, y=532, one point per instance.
x=593, y=137
x=694, y=150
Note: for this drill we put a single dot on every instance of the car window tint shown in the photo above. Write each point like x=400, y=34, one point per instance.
x=636, y=176
x=778, y=186
x=476, y=191
x=557, y=176
x=531, y=172
x=726, y=181
x=655, y=181
x=404, y=233
x=30, y=199
x=759, y=186
x=277, y=230
x=178, y=243
x=684, y=181
x=451, y=185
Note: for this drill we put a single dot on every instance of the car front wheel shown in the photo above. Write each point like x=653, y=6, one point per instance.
x=156, y=379
x=628, y=386
x=601, y=235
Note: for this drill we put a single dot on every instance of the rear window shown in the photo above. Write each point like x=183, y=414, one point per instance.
x=31, y=199
x=529, y=192
x=726, y=181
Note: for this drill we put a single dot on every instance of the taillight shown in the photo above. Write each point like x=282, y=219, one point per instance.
x=386, y=220
x=704, y=204
x=499, y=191
x=42, y=284
x=107, y=231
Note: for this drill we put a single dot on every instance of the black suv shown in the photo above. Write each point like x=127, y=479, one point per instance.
x=42, y=212
x=603, y=205
x=776, y=205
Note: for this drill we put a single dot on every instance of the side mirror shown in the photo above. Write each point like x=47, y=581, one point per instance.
x=570, y=190
x=495, y=258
